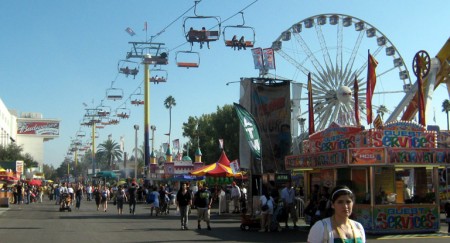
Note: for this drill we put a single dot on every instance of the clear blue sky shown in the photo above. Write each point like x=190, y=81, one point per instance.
x=57, y=55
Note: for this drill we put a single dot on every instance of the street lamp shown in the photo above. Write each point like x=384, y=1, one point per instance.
x=136, y=128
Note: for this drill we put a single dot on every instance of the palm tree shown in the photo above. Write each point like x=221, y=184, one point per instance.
x=170, y=102
x=381, y=110
x=110, y=150
x=446, y=109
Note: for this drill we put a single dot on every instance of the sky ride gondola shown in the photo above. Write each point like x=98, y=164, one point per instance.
x=123, y=113
x=128, y=67
x=81, y=134
x=158, y=75
x=114, y=94
x=196, y=32
x=137, y=98
x=158, y=56
x=233, y=33
x=187, y=59
x=103, y=111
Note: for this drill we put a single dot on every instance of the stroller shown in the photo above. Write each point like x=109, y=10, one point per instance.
x=65, y=202
x=250, y=222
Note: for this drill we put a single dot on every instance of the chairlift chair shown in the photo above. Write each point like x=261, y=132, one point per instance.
x=160, y=57
x=81, y=134
x=187, y=59
x=114, y=94
x=158, y=75
x=137, y=99
x=201, y=35
x=103, y=111
x=123, y=113
x=128, y=67
x=239, y=31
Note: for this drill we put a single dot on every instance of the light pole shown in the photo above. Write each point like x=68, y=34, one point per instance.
x=136, y=128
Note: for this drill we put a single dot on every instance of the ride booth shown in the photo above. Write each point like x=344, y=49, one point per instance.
x=393, y=173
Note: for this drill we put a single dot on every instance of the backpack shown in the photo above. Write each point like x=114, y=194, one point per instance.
x=104, y=195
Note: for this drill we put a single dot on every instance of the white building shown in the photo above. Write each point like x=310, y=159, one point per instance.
x=29, y=131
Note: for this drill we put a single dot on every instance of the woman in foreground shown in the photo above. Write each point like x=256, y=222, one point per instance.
x=339, y=227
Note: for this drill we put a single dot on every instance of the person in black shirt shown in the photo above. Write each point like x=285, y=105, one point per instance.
x=203, y=201
x=132, y=189
x=184, y=201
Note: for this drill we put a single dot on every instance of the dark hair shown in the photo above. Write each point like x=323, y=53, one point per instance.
x=340, y=191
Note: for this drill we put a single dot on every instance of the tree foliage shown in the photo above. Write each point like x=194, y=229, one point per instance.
x=206, y=130
x=13, y=152
x=109, y=151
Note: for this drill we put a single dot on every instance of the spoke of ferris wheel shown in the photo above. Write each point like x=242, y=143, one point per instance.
x=325, y=116
x=301, y=68
x=310, y=55
x=349, y=65
x=323, y=45
x=339, y=53
x=336, y=111
x=318, y=87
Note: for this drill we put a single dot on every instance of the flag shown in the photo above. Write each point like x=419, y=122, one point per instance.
x=355, y=96
x=251, y=129
x=145, y=26
x=234, y=165
x=268, y=58
x=176, y=144
x=371, y=81
x=122, y=142
x=310, y=107
x=221, y=143
x=420, y=93
x=257, y=54
x=130, y=31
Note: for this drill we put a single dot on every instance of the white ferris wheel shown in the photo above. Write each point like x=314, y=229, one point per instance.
x=334, y=49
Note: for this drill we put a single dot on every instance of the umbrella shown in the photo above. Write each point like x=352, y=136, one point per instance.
x=121, y=183
x=35, y=182
x=106, y=174
x=215, y=170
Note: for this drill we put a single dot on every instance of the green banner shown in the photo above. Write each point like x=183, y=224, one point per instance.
x=251, y=129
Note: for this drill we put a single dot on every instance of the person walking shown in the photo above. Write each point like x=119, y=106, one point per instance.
x=203, y=201
x=288, y=197
x=120, y=198
x=132, y=194
x=154, y=201
x=183, y=202
x=267, y=206
x=78, y=195
x=105, y=197
x=97, y=196
x=338, y=227
x=235, y=196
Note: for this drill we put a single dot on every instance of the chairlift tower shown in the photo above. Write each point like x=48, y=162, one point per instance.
x=148, y=53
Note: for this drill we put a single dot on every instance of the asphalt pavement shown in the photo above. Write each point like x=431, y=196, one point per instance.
x=43, y=222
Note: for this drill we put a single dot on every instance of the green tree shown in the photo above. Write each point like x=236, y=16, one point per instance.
x=13, y=152
x=109, y=151
x=205, y=131
x=170, y=102
x=446, y=109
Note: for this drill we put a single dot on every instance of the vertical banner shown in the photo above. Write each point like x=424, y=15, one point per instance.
x=310, y=107
x=371, y=81
x=251, y=129
x=176, y=144
x=268, y=58
x=355, y=97
x=271, y=106
x=234, y=165
x=221, y=143
x=257, y=54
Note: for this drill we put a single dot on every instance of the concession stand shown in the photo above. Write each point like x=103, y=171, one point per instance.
x=394, y=172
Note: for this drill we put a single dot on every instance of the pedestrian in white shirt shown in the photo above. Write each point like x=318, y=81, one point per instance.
x=288, y=197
